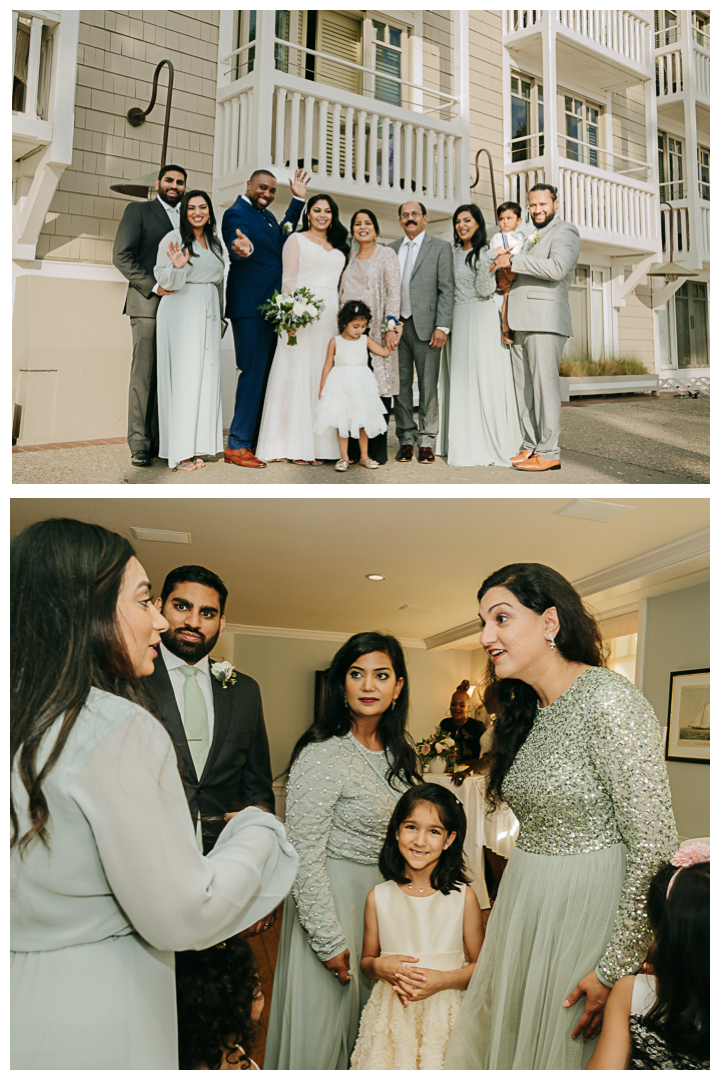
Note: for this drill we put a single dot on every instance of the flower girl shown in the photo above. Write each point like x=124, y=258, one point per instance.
x=420, y=924
x=349, y=397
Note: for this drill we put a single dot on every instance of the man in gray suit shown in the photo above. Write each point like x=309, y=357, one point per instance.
x=427, y=295
x=139, y=233
x=539, y=316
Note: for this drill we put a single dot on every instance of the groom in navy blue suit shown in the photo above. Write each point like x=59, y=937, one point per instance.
x=254, y=240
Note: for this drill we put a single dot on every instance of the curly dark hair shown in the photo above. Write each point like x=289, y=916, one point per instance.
x=336, y=719
x=353, y=309
x=680, y=956
x=215, y=991
x=449, y=872
x=514, y=702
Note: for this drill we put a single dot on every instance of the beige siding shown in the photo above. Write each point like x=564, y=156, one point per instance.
x=635, y=329
x=628, y=123
x=486, y=104
x=117, y=55
x=438, y=57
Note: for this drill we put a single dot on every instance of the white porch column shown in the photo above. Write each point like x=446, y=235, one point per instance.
x=265, y=68
x=549, y=65
x=461, y=82
x=694, y=261
x=33, y=72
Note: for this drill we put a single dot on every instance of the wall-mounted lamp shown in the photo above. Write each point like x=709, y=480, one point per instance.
x=139, y=188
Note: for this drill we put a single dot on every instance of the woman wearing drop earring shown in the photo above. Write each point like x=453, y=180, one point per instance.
x=346, y=774
x=577, y=756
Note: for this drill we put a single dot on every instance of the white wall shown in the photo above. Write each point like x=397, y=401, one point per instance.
x=285, y=669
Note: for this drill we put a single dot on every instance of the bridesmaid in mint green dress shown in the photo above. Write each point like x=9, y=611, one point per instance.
x=577, y=756
x=479, y=422
x=346, y=774
x=106, y=878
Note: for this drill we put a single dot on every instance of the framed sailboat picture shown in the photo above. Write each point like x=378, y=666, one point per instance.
x=688, y=729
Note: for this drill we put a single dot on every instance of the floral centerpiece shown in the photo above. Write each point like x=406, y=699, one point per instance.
x=291, y=311
x=439, y=747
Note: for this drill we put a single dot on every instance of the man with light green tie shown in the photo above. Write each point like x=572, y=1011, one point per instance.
x=216, y=722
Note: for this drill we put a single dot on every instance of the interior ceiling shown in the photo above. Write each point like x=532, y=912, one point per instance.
x=301, y=562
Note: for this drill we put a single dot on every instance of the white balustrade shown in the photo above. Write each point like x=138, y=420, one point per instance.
x=602, y=203
x=668, y=74
x=623, y=32
x=233, y=131
x=518, y=182
x=701, y=59
x=705, y=233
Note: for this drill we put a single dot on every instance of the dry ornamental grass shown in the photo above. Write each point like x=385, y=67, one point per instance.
x=616, y=365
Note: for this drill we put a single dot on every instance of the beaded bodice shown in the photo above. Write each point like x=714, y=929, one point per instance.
x=473, y=283
x=339, y=803
x=591, y=774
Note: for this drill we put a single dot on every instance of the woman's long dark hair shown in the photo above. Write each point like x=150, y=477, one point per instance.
x=680, y=956
x=210, y=231
x=449, y=872
x=478, y=238
x=215, y=991
x=66, y=577
x=337, y=234
x=336, y=719
x=514, y=702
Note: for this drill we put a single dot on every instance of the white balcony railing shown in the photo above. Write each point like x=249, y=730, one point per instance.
x=523, y=147
x=623, y=32
x=605, y=207
x=682, y=238
x=351, y=144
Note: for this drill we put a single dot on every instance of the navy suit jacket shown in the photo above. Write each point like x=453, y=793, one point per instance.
x=253, y=280
x=237, y=772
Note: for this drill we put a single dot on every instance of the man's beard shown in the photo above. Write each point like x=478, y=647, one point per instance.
x=188, y=650
x=548, y=219
x=257, y=205
x=170, y=199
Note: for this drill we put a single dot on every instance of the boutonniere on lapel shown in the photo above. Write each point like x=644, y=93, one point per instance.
x=534, y=239
x=225, y=673
x=288, y=227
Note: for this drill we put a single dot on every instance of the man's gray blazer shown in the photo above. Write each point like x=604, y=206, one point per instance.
x=538, y=299
x=139, y=233
x=432, y=290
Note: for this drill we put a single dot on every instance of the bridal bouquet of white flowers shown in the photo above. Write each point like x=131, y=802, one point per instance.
x=291, y=311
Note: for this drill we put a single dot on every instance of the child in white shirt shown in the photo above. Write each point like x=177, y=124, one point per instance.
x=508, y=239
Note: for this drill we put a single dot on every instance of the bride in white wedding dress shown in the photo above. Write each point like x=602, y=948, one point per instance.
x=313, y=257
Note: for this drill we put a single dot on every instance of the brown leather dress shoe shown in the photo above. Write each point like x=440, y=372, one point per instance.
x=522, y=456
x=243, y=456
x=536, y=463
x=405, y=453
x=425, y=454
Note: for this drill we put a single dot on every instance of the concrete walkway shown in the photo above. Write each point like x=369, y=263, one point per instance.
x=639, y=440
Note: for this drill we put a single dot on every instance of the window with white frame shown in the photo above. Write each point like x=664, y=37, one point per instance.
x=582, y=130
x=387, y=56
x=587, y=310
x=704, y=172
x=670, y=167
x=701, y=28
x=667, y=31
x=526, y=118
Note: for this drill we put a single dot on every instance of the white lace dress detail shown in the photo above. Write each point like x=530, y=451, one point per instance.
x=350, y=398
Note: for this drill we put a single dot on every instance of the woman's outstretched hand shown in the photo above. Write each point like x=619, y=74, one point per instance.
x=339, y=966
x=178, y=256
x=596, y=994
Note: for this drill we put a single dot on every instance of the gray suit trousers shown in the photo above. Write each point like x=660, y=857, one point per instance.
x=142, y=395
x=414, y=352
x=536, y=365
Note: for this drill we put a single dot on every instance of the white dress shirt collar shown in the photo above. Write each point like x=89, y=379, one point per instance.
x=416, y=240
x=171, y=210
x=173, y=661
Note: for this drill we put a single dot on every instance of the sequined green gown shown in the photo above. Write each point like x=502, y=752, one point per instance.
x=590, y=789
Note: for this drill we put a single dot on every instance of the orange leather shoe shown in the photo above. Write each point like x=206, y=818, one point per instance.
x=536, y=463
x=243, y=456
x=522, y=456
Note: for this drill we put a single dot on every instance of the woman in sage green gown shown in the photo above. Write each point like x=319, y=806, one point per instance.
x=577, y=756
x=106, y=878
x=346, y=774
x=479, y=421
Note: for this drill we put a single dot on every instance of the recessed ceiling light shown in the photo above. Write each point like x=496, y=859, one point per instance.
x=164, y=536
x=375, y=577
x=592, y=510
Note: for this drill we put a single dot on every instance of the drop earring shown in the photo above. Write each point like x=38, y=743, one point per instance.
x=551, y=639
x=394, y=703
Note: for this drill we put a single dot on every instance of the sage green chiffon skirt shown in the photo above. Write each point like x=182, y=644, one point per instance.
x=314, y=1019
x=550, y=925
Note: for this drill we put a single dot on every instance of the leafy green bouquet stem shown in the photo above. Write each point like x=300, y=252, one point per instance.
x=289, y=312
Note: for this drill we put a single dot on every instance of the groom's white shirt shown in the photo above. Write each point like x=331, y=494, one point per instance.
x=173, y=664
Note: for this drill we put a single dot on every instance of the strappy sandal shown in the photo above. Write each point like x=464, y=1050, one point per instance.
x=186, y=466
x=199, y=463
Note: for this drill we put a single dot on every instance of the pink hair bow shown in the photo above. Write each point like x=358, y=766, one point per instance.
x=688, y=856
